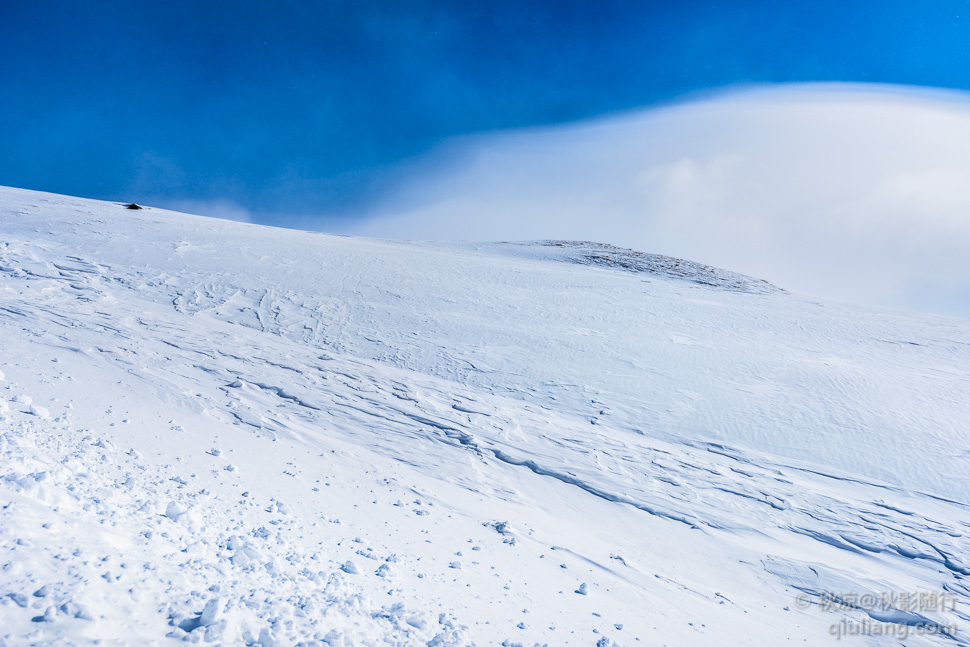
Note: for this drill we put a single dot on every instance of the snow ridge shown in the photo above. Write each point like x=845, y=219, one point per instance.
x=611, y=256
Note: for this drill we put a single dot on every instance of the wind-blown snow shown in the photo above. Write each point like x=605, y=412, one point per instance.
x=214, y=431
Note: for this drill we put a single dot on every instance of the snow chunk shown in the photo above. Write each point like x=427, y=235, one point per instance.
x=19, y=599
x=40, y=412
x=501, y=527
x=349, y=567
x=174, y=511
x=75, y=610
x=211, y=612
x=49, y=615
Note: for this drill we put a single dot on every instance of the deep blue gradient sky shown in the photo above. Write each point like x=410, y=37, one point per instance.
x=299, y=108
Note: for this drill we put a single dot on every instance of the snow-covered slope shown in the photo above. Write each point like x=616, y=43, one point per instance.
x=214, y=431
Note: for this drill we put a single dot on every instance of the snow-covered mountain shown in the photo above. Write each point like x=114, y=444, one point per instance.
x=219, y=432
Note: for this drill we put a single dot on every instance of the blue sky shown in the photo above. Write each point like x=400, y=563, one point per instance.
x=305, y=108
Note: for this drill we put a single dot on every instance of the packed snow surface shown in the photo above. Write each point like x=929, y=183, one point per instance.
x=222, y=433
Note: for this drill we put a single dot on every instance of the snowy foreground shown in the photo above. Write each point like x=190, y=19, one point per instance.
x=224, y=433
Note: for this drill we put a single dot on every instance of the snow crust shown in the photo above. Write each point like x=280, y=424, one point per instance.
x=224, y=433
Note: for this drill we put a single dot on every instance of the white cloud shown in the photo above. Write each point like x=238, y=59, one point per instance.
x=853, y=192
